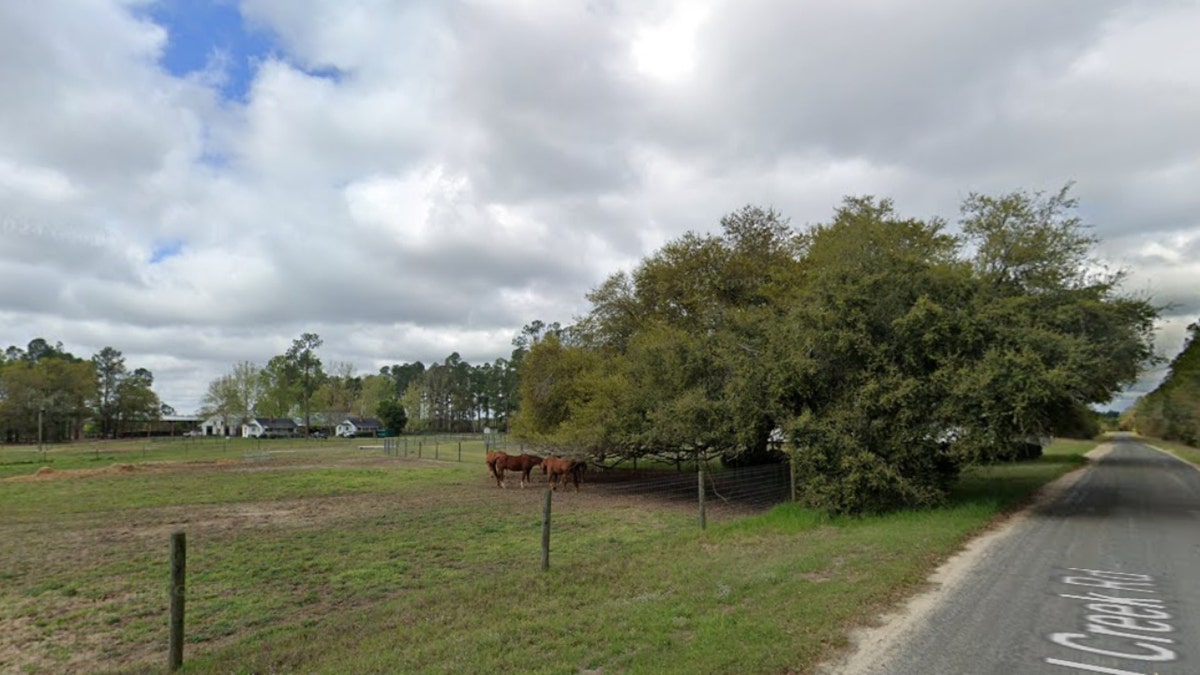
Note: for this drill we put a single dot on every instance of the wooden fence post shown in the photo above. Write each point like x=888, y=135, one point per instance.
x=546, y=531
x=700, y=473
x=460, y=451
x=792, y=473
x=178, y=573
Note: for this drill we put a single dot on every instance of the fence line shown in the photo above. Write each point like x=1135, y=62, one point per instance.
x=768, y=484
x=762, y=485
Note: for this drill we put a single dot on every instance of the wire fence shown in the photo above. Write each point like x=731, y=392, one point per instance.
x=755, y=486
x=749, y=488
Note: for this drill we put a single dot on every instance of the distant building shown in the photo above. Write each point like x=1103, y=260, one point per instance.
x=358, y=426
x=218, y=425
x=269, y=427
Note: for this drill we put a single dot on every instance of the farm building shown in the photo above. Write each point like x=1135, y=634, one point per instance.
x=358, y=426
x=269, y=427
x=219, y=425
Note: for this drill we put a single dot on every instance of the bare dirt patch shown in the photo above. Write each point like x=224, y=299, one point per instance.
x=47, y=473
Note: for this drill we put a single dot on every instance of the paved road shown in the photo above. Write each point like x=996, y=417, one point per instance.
x=1105, y=579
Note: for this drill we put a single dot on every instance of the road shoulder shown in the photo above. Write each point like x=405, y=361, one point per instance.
x=875, y=646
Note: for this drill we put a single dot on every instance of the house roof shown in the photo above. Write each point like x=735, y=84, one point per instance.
x=276, y=422
x=364, y=422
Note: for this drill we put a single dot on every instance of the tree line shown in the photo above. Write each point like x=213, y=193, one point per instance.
x=1172, y=410
x=446, y=396
x=47, y=392
x=883, y=353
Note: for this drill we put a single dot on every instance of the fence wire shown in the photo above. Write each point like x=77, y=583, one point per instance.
x=755, y=486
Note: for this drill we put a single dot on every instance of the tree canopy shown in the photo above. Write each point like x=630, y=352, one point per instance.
x=1172, y=410
x=68, y=392
x=887, y=351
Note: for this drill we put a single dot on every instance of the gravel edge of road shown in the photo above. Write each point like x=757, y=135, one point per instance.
x=874, y=645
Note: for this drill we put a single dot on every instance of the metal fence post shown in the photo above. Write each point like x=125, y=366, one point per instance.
x=546, y=531
x=178, y=573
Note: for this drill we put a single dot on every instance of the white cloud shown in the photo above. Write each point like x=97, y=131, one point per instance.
x=46, y=185
x=411, y=179
x=667, y=50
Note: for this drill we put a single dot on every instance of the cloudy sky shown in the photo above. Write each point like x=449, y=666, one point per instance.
x=198, y=182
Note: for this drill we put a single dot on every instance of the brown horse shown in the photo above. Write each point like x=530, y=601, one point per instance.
x=502, y=462
x=491, y=460
x=555, y=466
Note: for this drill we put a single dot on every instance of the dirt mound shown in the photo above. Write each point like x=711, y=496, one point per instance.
x=48, y=473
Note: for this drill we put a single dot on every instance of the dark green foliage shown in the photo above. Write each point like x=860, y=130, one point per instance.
x=68, y=392
x=303, y=370
x=864, y=350
x=1079, y=421
x=402, y=375
x=888, y=352
x=754, y=456
x=1172, y=410
x=670, y=360
x=391, y=414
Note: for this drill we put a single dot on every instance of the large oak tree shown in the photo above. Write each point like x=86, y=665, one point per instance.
x=890, y=350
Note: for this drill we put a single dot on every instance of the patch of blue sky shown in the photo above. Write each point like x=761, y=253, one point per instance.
x=204, y=36
x=165, y=249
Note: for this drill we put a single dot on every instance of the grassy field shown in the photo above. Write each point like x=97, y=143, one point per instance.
x=319, y=556
x=25, y=459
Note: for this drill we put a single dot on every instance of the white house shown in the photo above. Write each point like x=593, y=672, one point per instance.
x=358, y=426
x=219, y=426
x=269, y=427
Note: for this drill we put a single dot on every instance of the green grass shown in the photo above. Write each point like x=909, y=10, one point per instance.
x=404, y=566
x=18, y=460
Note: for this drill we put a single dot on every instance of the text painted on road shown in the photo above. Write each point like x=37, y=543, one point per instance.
x=1124, y=618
